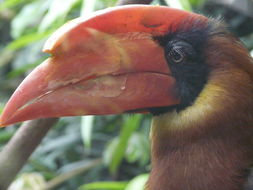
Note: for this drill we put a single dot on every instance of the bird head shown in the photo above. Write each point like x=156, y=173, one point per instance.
x=126, y=59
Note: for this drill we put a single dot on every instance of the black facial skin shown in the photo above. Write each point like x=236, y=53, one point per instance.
x=184, y=51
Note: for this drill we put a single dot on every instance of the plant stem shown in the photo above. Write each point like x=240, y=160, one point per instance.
x=66, y=176
x=16, y=153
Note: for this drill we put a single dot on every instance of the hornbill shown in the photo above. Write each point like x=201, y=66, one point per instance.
x=187, y=70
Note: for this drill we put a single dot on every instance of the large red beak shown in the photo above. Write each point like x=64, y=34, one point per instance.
x=106, y=64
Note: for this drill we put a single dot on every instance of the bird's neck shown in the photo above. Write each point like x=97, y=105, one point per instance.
x=207, y=146
x=214, y=160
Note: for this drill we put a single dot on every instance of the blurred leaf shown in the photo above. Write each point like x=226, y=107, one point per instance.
x=27, y=39
x=1, y=107
x=58, y=10
x=104, y=186
x=138, y=149
x=29, y=55
x=5, y=135
x=138, y=183
x=86, y=130
x=109, y=3
x=131, y=123
x=79, y=168
x=180, y=4
x=74, y=165
x=6, y=55
x=42, y=168
x=88, y=7
x=28, y=181
x=110, y=150
x=157, y=2
x=61, y=142
x=29, y=15
x=11, y=3
x=23, y=69
x=196, y=2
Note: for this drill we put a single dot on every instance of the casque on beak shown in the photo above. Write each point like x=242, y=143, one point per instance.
x=106, y=64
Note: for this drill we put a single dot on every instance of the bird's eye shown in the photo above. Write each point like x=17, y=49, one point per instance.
x=178, y=51
x=176, y=55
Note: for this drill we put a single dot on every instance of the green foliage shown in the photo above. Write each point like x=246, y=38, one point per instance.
x=58, y=16
x=86, y=130
x=29, y=182
x=196, y=2
x=11, y=3
x=26, y=40
x=29, y=15
x=138, y=183
x=104, y=186
x=180, y=4
x=138, y=149
x=116, y=151
x=122, y=141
